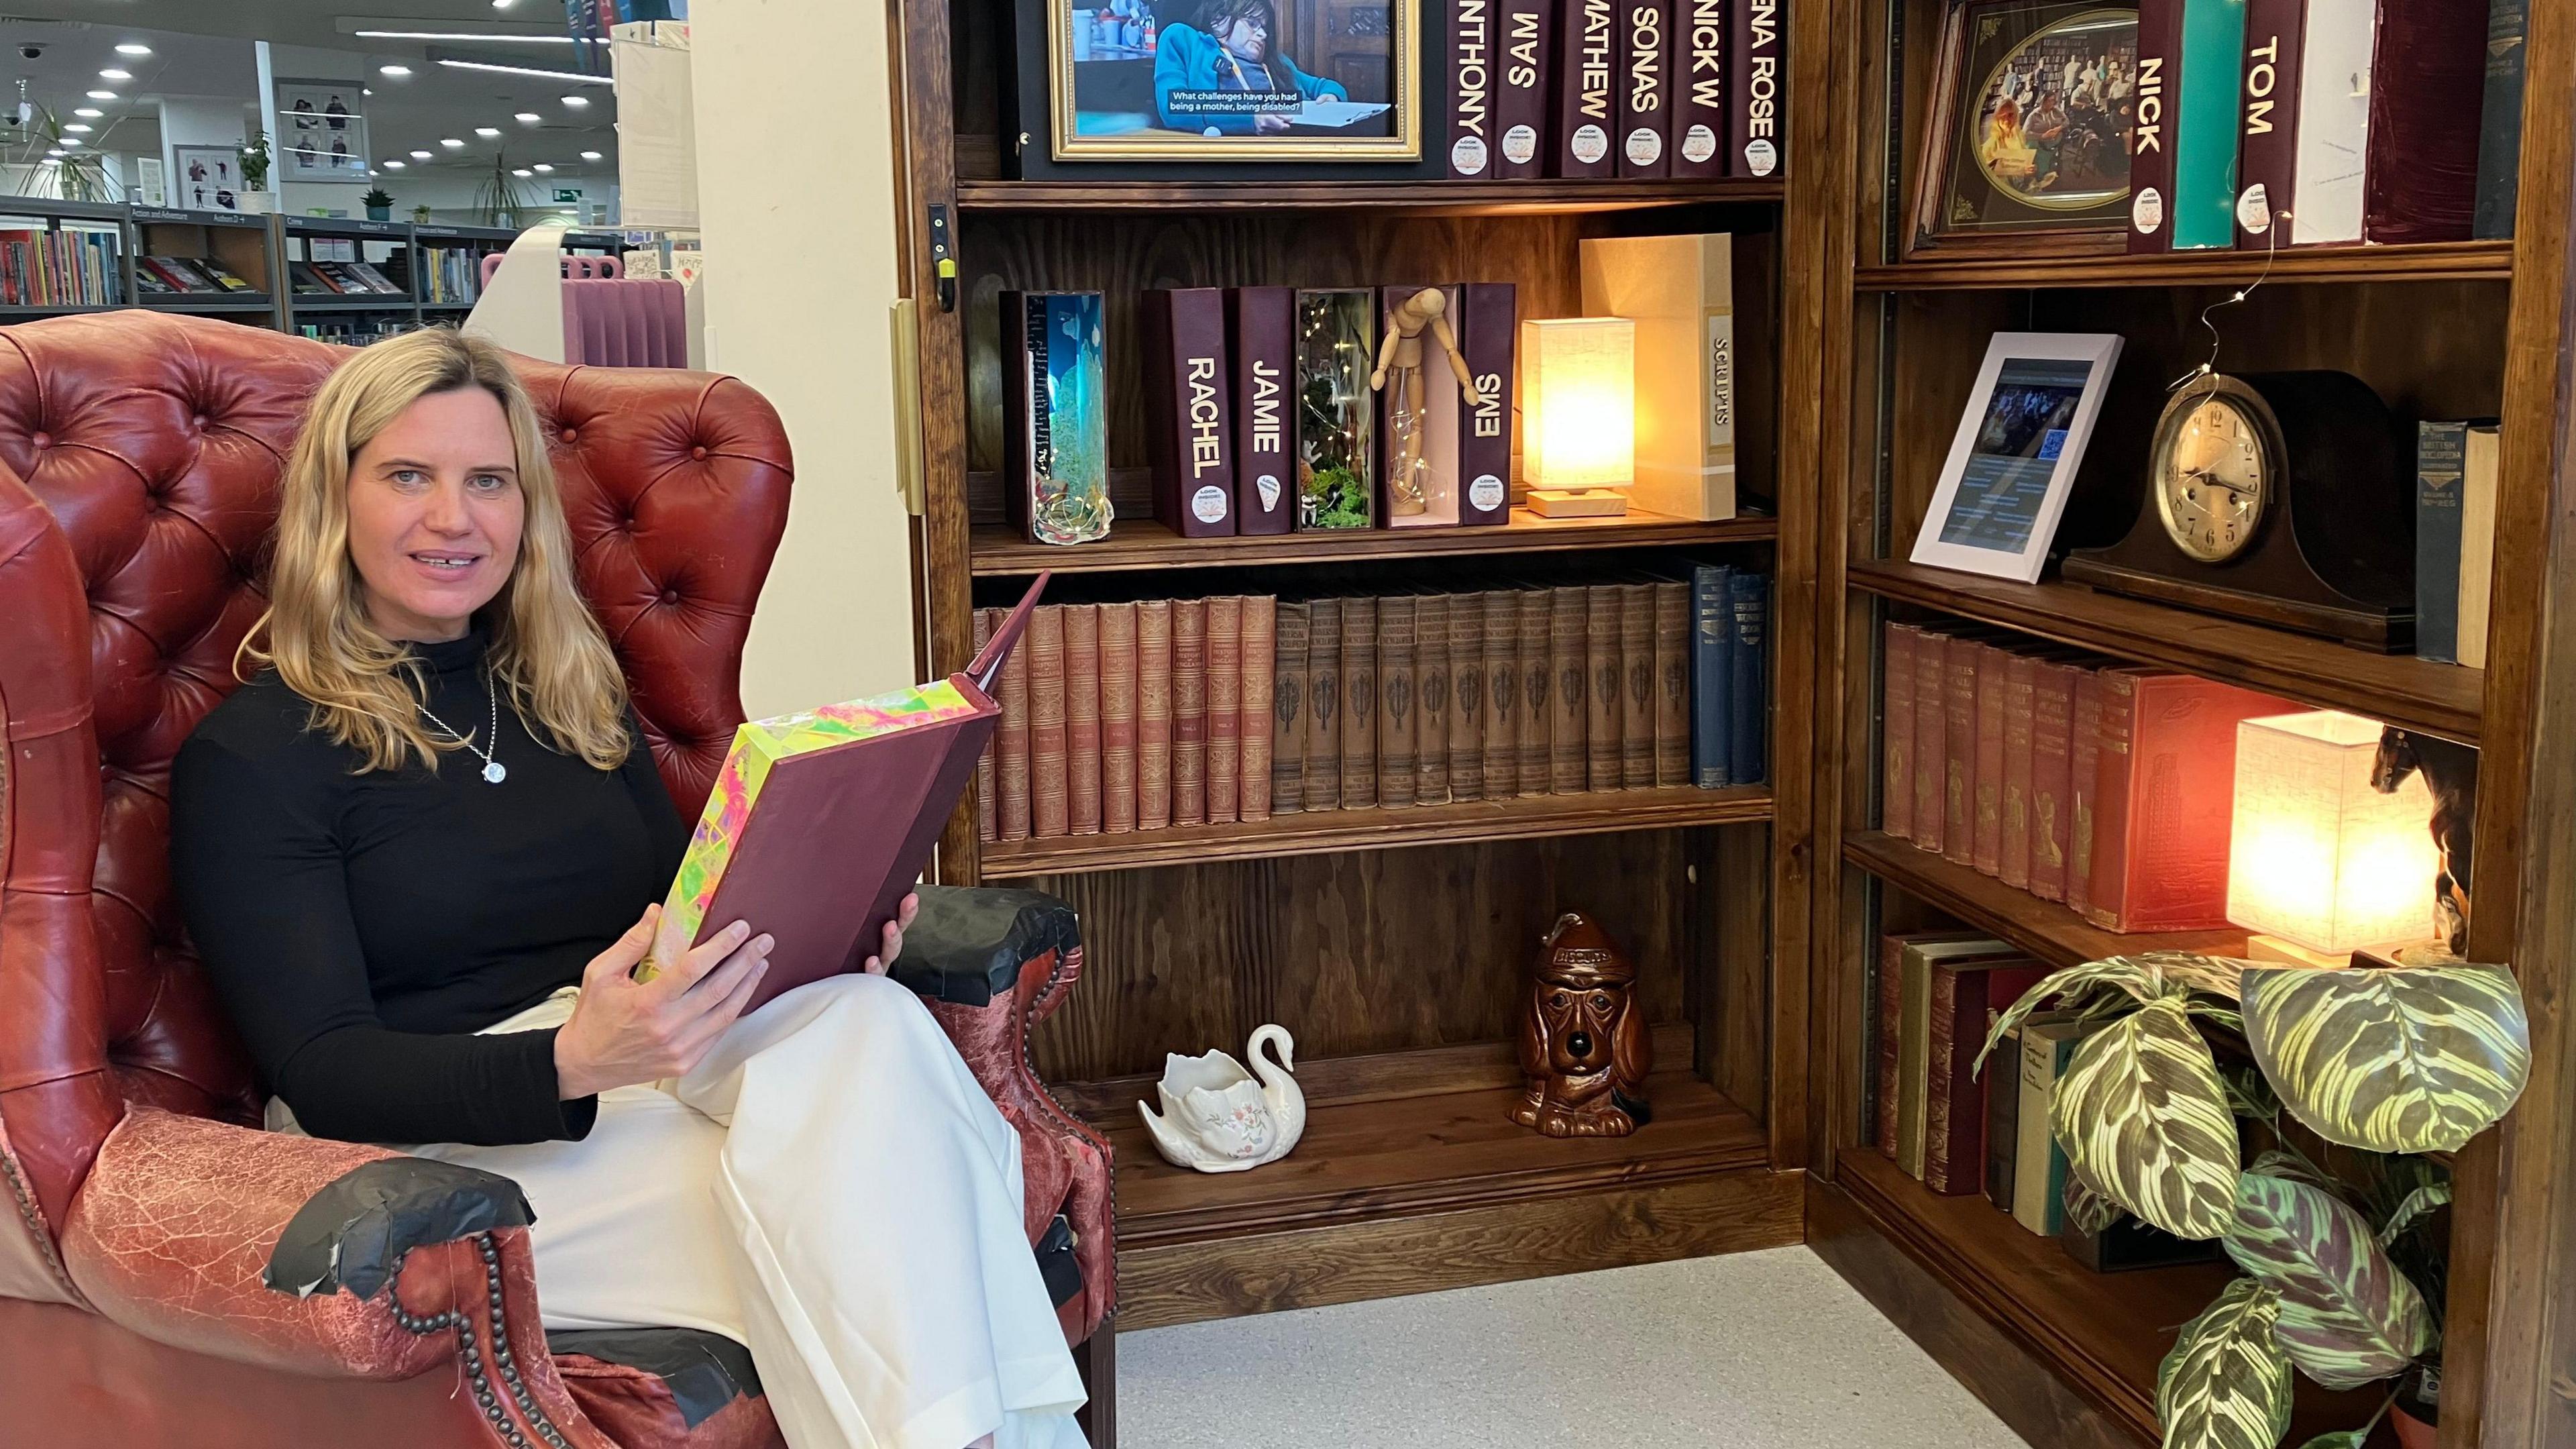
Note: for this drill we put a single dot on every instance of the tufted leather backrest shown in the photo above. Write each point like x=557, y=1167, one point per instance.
x=140, y=456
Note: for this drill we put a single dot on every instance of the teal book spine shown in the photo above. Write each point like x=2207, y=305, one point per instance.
x=2206, y=122
x=2440, y=453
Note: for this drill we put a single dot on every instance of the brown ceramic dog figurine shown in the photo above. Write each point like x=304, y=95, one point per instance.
x=1584, y=1044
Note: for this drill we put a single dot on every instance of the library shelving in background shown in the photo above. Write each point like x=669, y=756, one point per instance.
x=447, y=266
x=244, y=245
x=2456, y=330
x=104, y=286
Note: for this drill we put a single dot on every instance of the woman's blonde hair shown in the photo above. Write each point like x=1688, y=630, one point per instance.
x=547, y=652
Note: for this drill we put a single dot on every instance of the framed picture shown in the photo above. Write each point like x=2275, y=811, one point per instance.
x=2019, y=443
x=321, y=137
x=2027, y=141
x=209, y=178
x=1229, y=80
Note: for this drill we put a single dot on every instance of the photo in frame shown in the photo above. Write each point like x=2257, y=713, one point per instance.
x=2027, y=142
x=2014, y=459
x=208, y=178
x=321, y=136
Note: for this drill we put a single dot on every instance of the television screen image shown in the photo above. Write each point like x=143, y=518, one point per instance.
x=1203, y=78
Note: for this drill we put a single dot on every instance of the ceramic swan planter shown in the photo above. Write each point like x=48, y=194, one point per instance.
x=1217, y=1118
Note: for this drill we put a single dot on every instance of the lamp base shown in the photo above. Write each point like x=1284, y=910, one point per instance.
x=2279, y=951
x=1577, y=502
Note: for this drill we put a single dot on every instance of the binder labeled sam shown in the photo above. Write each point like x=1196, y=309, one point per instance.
x=821, y=822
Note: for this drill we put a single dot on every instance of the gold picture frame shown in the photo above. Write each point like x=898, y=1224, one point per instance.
x=1319, y=119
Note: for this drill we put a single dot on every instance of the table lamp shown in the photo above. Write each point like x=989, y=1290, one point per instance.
x=2319, y=863
x=1578, y=429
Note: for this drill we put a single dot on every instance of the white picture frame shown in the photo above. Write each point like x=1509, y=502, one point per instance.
x=208, y=178
x=1996, y=511
x=321, y=136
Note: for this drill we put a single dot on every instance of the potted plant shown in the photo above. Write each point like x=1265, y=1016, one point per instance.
x=420, y=215
x=254, y=170
x=2332, y=1213
x=380, y=204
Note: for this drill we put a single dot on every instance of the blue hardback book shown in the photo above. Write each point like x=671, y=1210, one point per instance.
x=1749, y=697
x=1712, y=674
x=2500, y=122
x=2441, y=453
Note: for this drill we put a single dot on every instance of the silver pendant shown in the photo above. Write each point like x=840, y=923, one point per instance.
x=493, y=773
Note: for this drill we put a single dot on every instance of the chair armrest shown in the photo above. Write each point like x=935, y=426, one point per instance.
x=235, y=1243
x=968, y=944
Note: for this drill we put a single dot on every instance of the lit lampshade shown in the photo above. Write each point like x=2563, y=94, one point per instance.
x=1578, y=431
x=2317, y=857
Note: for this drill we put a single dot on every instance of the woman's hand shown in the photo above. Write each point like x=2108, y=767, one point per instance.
x=624, y=1032
x=894, y=930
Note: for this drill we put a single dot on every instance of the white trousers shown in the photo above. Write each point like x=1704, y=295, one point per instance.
x=832, y=1188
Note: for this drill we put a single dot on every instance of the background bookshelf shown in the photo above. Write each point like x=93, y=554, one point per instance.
x=445, y=265
x=243, y=245
x=326, y=297
x=59, y=257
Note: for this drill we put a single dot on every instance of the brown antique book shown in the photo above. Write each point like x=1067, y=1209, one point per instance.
x=1959, y=762
x=1359, y=702
x=1117, y=718
x=2168, y=777
x=1896, y=731
x=1992, y=662
x=2084, y=776
x=1603, y=667
x=1324, y=705
x=1954, y=1128
x=1154, y=714
x=1467, y=696
x=1050, y=812
x=1288, y=691
x=1672, y=683
x=1431, y=699
x=1931, y=737
x=1224, y=708
x=1891, y=1016
x=1082, y=716
x=1502, y=694
x=1569, y=609
x=1398, y=703
x=1538, y=715
x=1637, y=671
x=1011, y=751
x=2021, y=684
x=988, y=818
x=1260, y=629
x=1189, y=711
x=2052, y=803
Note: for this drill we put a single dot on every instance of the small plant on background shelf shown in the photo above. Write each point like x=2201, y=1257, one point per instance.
x=379, y=203
x=420, y=216
x=2336, y=1215
x=254, y=163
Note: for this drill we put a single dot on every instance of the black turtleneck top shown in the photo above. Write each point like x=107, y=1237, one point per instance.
x=361, y=927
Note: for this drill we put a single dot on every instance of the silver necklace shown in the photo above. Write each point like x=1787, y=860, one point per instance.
x=494, y=772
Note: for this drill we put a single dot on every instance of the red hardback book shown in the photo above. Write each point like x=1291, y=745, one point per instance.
x=1993, y=661
x=1324, y=704
x=1261, y=338
x=1896, y=732
x=1959, y=744
x=1488, y=333
x=1699, y=88
x=1359, y=702
x=2021, y=682
x=1502, y=694
x=1466, y=696
x=1189, y=711
x=1524, y=74
x=1931, y=737
x=1117, y=718
x=1431, y=699
x=1050, y=772
x=2427, y=72
x=2168, y=778
x=1536, y=761
x=2084, y=784
x=988, y=806
x=1586, y=108
x=2052, y=794
x=1672, y=683
x=1471, y=90
x=1189, y=410
x=1645, y=86
x=1154, y=714
x=1964, y=994
x=1260, y=644
x=2267, y=145
x=1224, y=708
x=1568, y=617
x=1759, y=81
x=1011, y=748
x=2156, y=96
x=1082, y=752
x=1288, y=712
x=1399, y=715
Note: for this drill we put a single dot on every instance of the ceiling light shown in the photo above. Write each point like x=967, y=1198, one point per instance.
x=527, y=118
x=521, y=171
x=77, y=130
x=562, y=75
x=576, y=102
x=56, y=154
x=590, y=155
x=420, y=155
x=112, y=73
x=89, y=113
x=451, y=143
x=102, y=95
x=133, y=48
x=487, y=132
x=542, y=166
x=68, y=142
x=397, y=72
x=503, y=4
x=396, y=165
x=478, y=36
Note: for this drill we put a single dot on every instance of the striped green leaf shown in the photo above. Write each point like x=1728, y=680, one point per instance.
x=2417, y=1059
x=2216, y=975
x=2347, y=1316
x=2143, y=1116
x=2226, y=1385
x=2088, y=1209
x=2339, y=1439
x=2070, y=984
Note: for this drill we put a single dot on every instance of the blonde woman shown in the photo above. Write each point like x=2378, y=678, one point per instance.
x=417, y=850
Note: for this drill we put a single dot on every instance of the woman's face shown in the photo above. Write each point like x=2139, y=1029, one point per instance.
x=435, y=513
x=1247, y=37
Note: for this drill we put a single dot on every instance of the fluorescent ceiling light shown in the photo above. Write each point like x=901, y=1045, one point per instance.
x=590, y=155
x=562, y=75
x=397, y=72
x=112, y=73
x=473, y=35
x=542, y=166
x=133, y=48
x=527, y=118
x=396, y=165
x=521, y=171
x=487, y=132
x=54, y=153
x=77, y=130
x=68, y=142
x=102, y=95
x=451, y=143
x=576, y=102
x=420, y=155
x=503, y=4
x=89, y=113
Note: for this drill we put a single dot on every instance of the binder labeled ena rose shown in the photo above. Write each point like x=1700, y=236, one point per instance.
x=820, y=822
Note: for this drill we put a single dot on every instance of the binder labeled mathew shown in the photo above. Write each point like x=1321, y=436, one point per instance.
x=821, y=822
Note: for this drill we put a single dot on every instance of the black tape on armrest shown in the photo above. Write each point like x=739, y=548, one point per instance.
x=354, y=1232
x=704, y=1371
x=968, y=944
x=1057, y=1264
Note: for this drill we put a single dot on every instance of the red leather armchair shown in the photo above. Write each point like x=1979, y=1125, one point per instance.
x=139, y=464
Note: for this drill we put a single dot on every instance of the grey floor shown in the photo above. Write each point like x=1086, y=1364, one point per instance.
x=1766, y=1350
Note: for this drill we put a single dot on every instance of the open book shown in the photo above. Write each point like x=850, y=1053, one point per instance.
x=821, y=822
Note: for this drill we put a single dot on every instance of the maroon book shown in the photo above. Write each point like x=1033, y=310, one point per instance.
x=1587, y=106
x=2052, y=795
x=2161, y=837
x=2426, y=74
x=2084, y=786
x=1993, y=663
x=1488, y=331
x=1189, y=711
x=1260, y=340
x=1188, y=413
x=1760, y=84
x=2267, y=146
x=1931, y=736
x=1082, y=733
x=1965, y=994
x=1523, y=76
x=1645, y=86
x=1959, y=749
x=1896, y=731
x=2021, y=685
x=1699, y=88
x=1891, y=1035
x=1471, y=90
x=2152, y=134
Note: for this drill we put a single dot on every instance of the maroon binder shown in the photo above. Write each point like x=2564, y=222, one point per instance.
x=1759, y=83
x=1189, y=411
x=1700, y=89
x=1523, y=76
x=1645, y=87
x=1586, y=111
x=1260, y=337
x=2267, y=145
x=1471, y=90
x=1488, y=330
x=2428, y=70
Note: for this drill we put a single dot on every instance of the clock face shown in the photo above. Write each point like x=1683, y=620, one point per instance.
x=2213, y=475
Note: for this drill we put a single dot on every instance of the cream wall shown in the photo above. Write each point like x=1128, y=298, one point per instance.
x=796, y=196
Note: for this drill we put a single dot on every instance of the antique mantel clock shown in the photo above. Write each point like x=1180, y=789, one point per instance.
x=2278, y=498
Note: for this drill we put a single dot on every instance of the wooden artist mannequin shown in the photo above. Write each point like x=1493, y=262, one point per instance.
x=1401, y=356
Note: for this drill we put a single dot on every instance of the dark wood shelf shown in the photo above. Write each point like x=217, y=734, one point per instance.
x=1416, y=198
x=1312, y=833
x=2045, y=929
x=1142, y=543
x=2433, y=262
x=2440, y=699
